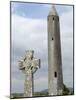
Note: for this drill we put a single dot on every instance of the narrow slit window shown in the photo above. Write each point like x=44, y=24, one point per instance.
x=52, y=38
x=53, y=18
x=58, y=19
x=55, y=74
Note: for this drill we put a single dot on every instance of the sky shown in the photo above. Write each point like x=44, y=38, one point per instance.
x=29, y=32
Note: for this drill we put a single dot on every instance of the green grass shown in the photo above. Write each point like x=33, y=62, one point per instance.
x=40, y=94
x=66, y=91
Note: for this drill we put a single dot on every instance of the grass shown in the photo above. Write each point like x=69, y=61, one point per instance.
x=66, y=91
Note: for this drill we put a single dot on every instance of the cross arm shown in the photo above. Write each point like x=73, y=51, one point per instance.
x=20, y=63
x=35, y=65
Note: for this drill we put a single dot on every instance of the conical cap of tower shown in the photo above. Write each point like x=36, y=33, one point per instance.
x=53, y=11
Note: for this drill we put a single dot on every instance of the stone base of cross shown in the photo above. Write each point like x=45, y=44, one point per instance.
x=29, y=65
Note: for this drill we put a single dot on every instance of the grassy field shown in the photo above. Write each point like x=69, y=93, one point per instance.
x=66, y=91
x=37, y=94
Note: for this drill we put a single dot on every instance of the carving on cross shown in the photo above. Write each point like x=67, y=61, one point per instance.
x=29, y=63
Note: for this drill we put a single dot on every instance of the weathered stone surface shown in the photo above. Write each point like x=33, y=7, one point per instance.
x=55, y=77
x=28, y=84
x=29, y=65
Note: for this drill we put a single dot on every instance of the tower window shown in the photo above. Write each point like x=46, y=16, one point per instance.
x=53, y=18
x=55, y=74
x=52, y=38
x=58, y=19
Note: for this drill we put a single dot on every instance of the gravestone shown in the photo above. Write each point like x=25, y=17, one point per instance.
x=29, y=65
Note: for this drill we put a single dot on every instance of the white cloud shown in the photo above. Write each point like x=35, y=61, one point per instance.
x=17, y=85
x=29, y=34
x=40, y=83
x=66, y=24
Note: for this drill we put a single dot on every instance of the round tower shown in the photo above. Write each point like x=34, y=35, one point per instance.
x=55, y=77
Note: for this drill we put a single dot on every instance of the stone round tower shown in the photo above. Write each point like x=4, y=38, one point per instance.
x=55, y=77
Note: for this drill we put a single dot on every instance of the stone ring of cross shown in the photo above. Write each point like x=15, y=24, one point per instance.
x=29, y=63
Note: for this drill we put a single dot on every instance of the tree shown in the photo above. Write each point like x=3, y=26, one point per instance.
x=65, y=90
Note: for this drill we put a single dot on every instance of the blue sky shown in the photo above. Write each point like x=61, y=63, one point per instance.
x=29, y=31
x=32, y=10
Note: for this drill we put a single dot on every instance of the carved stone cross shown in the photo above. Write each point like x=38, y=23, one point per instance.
x=29, y=65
